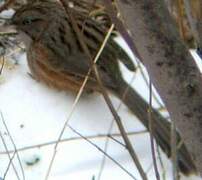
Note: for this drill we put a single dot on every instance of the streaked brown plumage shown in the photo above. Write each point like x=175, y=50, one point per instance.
x=56, y=58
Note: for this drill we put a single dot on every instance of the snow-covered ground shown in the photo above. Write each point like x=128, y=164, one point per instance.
x=35, y=114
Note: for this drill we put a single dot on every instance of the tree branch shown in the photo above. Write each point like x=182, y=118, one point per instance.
x=170, y=65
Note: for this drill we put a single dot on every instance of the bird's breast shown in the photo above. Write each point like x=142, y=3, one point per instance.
x=38, y=58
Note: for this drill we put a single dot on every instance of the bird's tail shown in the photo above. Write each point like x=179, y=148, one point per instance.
x=161, y=127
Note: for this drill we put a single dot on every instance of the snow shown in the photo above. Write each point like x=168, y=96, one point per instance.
x=197, y=59
x=35, y=114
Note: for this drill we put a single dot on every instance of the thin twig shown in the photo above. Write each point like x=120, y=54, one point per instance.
x=174, y=151
x=151, y=132
x=9, y=164
x=99, y=149
x=2, y=66
x=15, y=148
x=8, y=33
x=105, y=150
x=163, y=170
x=10, y=158
x=110, y=129
x=99, y=136
x=147, y=84
x=123, y=133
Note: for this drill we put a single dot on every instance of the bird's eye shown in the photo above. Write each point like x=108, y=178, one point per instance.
x=29, y=20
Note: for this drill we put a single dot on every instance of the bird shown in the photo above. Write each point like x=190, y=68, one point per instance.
x=55, y=57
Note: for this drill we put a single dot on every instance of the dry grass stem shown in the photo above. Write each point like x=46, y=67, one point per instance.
x=96, y=137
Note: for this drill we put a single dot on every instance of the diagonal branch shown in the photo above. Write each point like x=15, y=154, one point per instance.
x=170, y=65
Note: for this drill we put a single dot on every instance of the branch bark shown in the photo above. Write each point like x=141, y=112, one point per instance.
x=170, y=65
